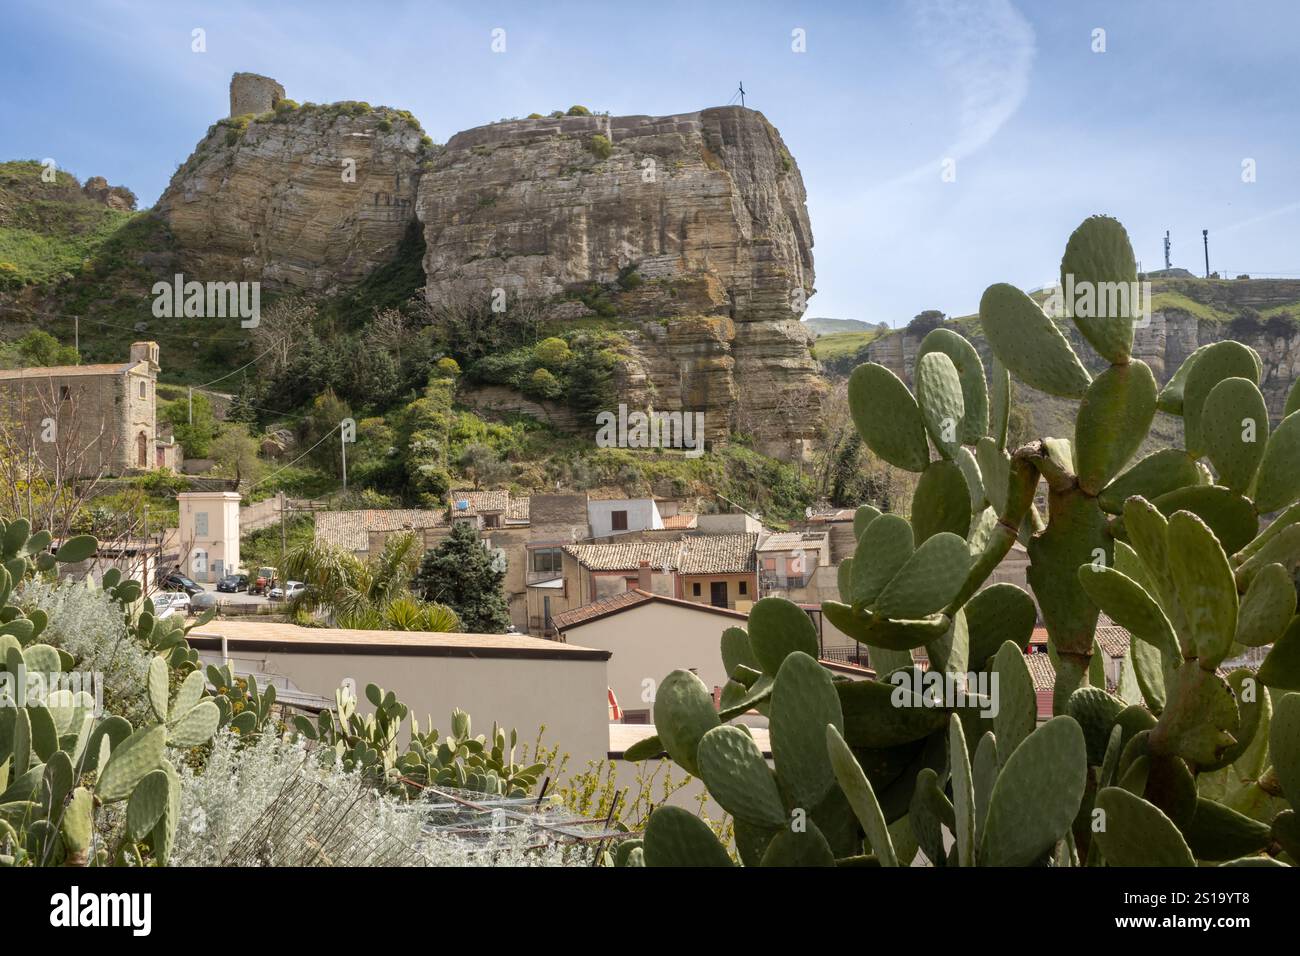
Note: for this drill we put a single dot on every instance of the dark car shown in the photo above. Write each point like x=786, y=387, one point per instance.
x=233, y=583
x=179, y=582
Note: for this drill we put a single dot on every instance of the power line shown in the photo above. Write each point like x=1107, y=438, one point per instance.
x=329, y=434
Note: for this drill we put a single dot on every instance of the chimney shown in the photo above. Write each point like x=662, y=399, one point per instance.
x=643, y=577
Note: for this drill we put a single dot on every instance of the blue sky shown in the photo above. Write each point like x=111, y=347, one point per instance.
x=1043, y=130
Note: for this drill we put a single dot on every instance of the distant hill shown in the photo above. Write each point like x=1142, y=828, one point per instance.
x=821, y=326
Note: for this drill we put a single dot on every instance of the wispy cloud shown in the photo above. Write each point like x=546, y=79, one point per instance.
x=984, y=52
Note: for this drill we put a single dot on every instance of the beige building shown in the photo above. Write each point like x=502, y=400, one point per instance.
x=90, y=419
x=519, y=682
x=208, y=533
x=527, y=533
x=650, y=635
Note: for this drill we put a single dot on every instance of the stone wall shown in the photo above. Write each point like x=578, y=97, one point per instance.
x=251, y=93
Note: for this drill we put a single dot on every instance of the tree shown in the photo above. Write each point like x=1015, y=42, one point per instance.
x=371, y=595
x=459, y=573
x=482, y=465
x=37, y=348
x=926, y=321
x=235, y=451
x=326, y=415
x=195, y=436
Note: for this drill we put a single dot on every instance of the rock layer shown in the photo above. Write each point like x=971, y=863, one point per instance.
x=310, y=198
x=708, y=208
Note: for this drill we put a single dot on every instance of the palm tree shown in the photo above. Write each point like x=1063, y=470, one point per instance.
x=368, y=595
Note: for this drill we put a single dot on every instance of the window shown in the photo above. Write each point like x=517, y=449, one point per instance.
x=142, y=389
x=201, y=524
x=491, y=521
x=636, y=716
x=546, y=560
x=65, y=393
x=695, y=589
x=618, y=520
x=744, y=587
x=769, y=564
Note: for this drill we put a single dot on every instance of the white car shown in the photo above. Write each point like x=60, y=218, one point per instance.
x=167, y=603
x=290, y=591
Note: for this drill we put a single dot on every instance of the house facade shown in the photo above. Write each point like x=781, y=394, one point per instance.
x=90, y=419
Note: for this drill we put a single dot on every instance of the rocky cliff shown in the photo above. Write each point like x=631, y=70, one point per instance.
x=307, y=198
x=706, y=209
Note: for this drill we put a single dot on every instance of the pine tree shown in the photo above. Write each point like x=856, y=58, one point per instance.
x=459, y=573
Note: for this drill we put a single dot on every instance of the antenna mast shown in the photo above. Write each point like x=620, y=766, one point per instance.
x=1167, y=249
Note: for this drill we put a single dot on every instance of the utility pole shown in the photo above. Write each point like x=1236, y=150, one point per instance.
x=343, y=446
x=1167, y=249
x=76, y=334
x=1205, y=237
x=191, y=404
x=283, y=545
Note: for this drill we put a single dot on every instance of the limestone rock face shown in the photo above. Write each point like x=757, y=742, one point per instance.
x=708, y=208
x=312, y=198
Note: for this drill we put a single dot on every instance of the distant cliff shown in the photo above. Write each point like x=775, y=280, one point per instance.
x=702, y=215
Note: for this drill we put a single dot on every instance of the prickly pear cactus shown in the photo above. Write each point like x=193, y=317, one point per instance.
x=1181, y=764
x=368, y=743
x=59, y=758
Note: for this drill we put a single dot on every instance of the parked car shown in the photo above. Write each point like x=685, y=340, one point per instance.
x=265, y=580
x=233, y=583
x=179, y=582
x=290, y=591
x=167, y=603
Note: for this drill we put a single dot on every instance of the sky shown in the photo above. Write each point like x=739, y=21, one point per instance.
x=945, y=144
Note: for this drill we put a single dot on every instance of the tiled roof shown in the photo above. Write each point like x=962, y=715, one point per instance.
x=1042, y=671
x=693, y=554
x=477, y=501
x=626, y=555
x=350, y=530
x=791, y=540
x=599, y=608
x=718, y=554
x=685, y=521
x=517, y=509
x=64, y=371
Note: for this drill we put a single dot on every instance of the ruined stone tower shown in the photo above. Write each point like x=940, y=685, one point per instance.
x=251, y=93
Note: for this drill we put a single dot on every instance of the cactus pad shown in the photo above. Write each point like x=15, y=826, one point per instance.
x=738, y=777
x=1028, y=343
x=1136, y=833
x=939, y=395
x=887, y=417
x=1113, y=420
x=683, y=714
x=1234, y=429
x=930, y=579
x=1099, y=254
x=778, y=627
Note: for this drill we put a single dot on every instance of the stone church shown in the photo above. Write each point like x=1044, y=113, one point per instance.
x=90, y=419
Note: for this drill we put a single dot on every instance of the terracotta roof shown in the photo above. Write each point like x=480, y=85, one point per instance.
x=280, y=637
x=718, y=554
x=477, y=501
x=350, y=530
x=517, y=509
x=626, y=555
x=631, y=598
x=791, y=540
x=597, y=609
x=64, y=371
x=685, y=521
